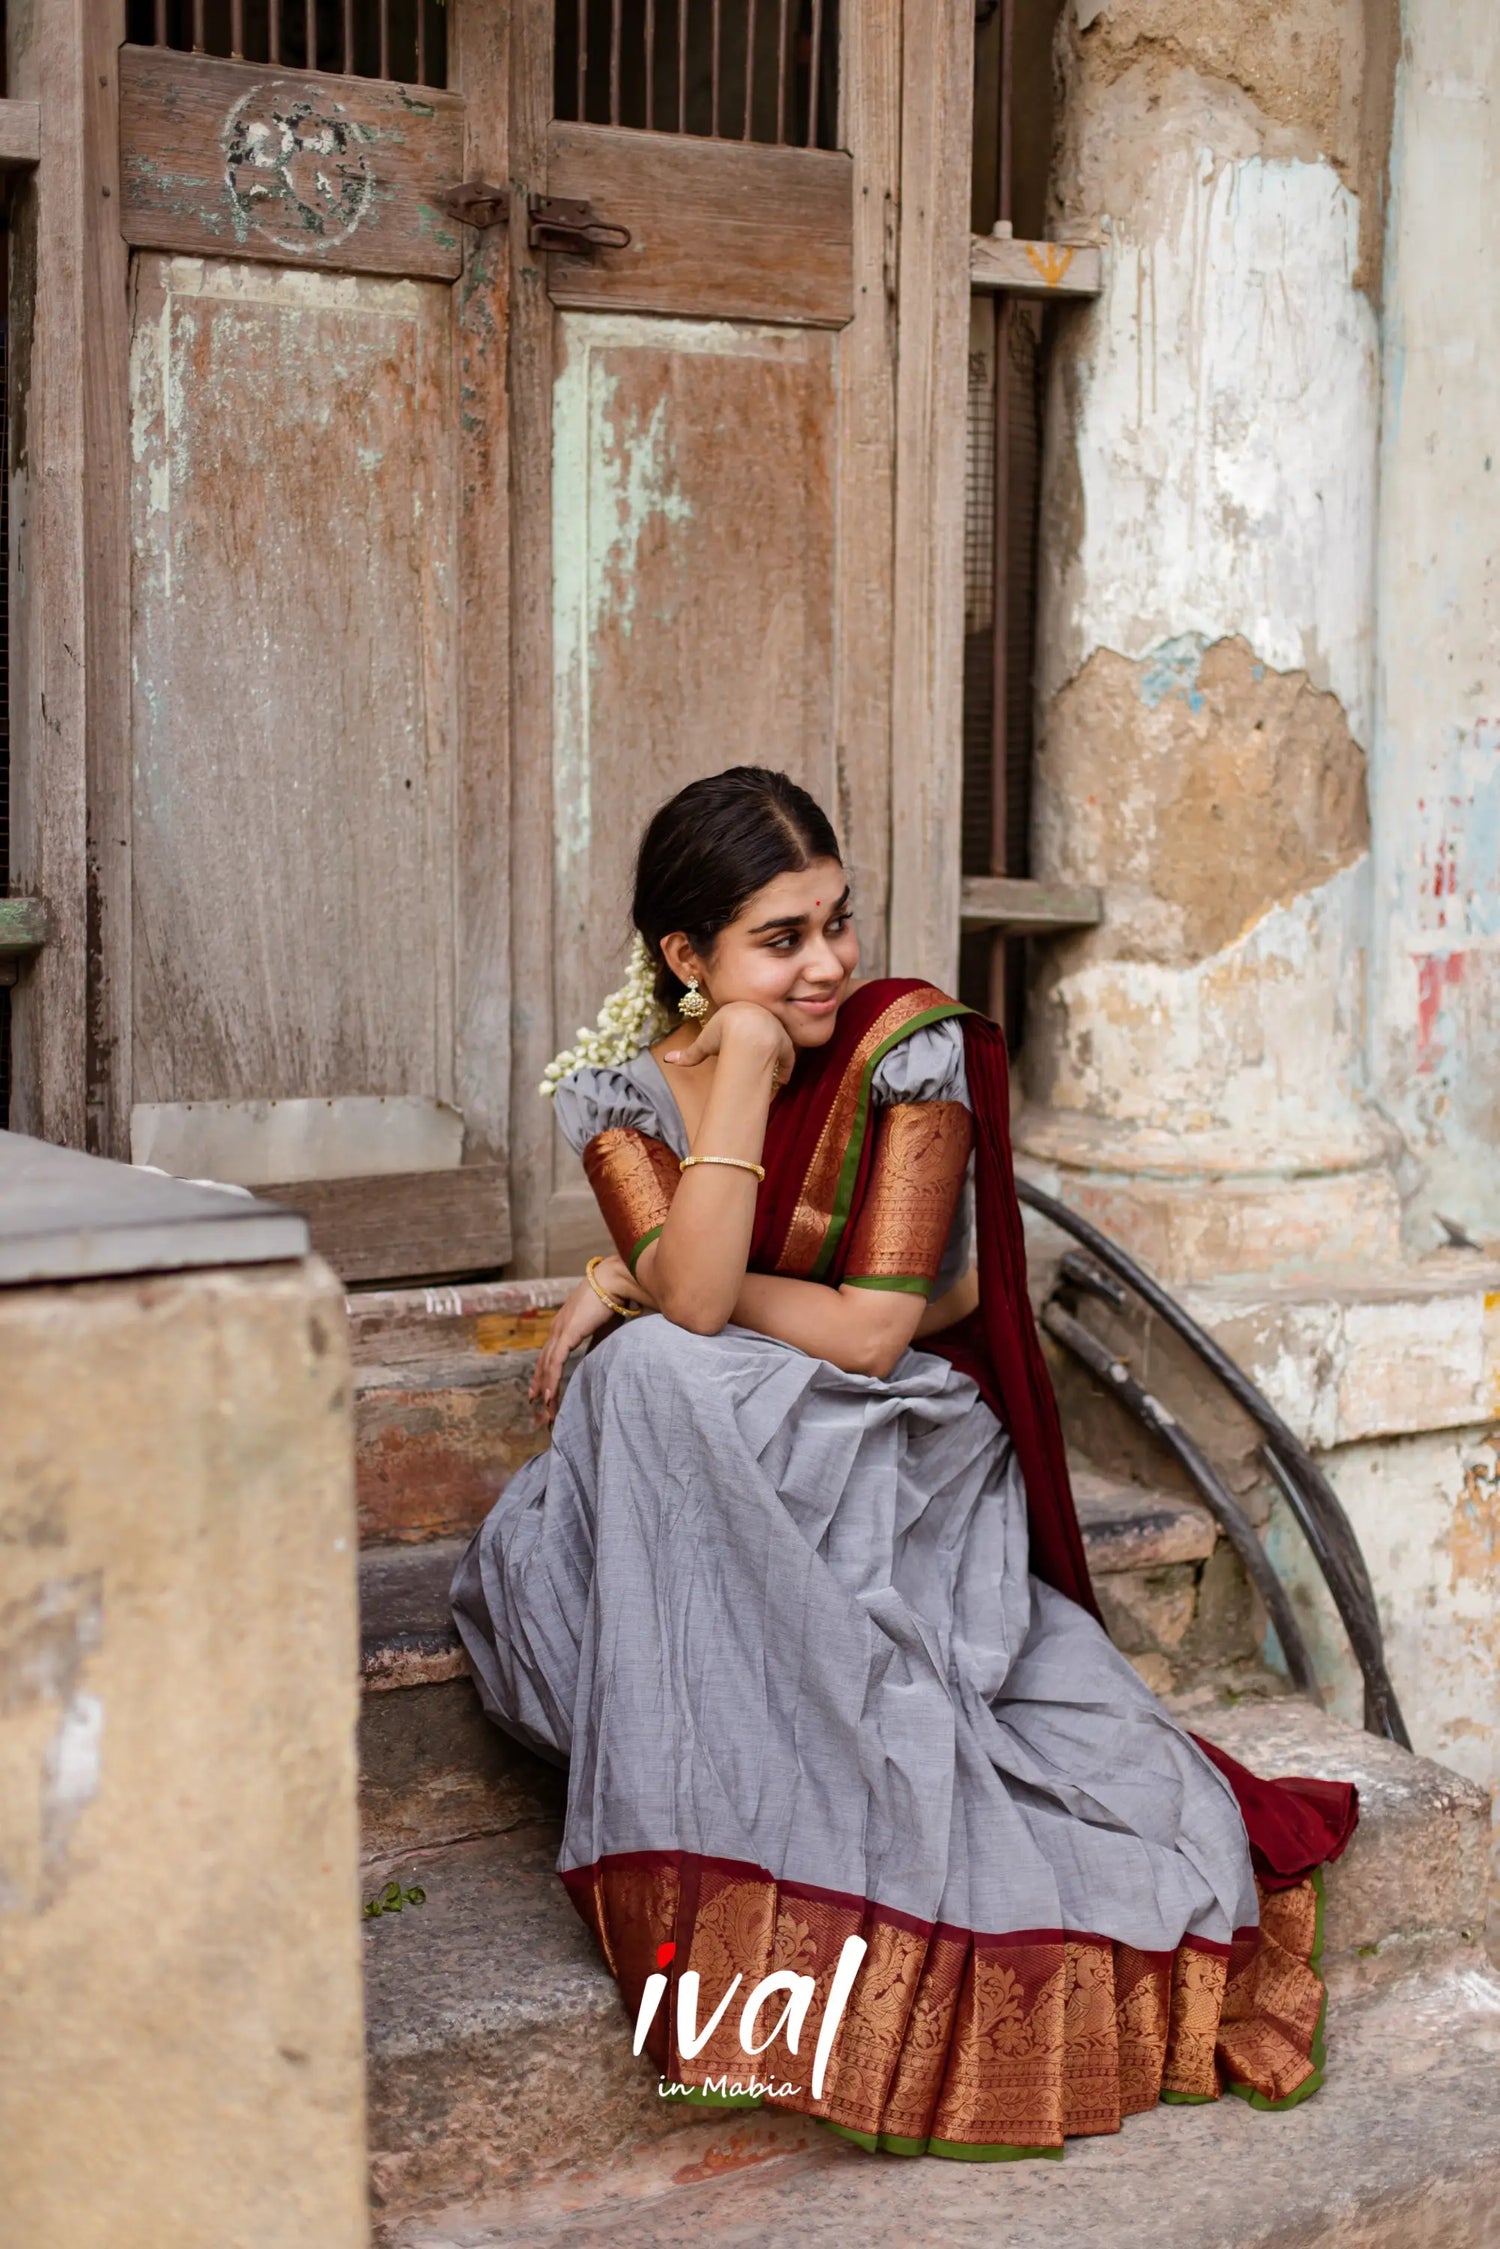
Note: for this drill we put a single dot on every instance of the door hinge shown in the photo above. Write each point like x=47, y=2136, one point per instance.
x=475, y=203
x=560, y=222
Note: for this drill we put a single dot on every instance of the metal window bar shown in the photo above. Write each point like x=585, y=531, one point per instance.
x=404, y=40
x=743, y=70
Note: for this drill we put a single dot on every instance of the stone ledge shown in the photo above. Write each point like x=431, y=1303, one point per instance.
x=1399, y=2150
x=1377, y=1354
x=402, y=1327
x=1412, y=1884
x=406, y=1631
x=1127, y=1527
x=498, y=2048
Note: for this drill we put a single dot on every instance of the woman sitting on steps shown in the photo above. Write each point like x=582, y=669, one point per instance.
x=798, y=1591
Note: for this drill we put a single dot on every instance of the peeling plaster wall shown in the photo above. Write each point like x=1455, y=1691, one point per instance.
x=1206, y=636
x=1223, y=805
x=1426, y=1511
x=1435, y=1014
x=1212, y=430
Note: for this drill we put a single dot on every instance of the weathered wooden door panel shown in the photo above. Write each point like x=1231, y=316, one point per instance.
x=692, y=556
x=244, y=159
x=319, y=708
x=294, y=733
x=295, y=725
x=693, y=587
x=717, y=537
x=717, y=228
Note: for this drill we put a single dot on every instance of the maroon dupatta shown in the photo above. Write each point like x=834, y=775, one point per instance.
x=817, y=1159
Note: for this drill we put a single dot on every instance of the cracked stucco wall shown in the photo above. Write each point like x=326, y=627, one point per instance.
x=1269, y=728
x=1435, y=767
x=1206, y=650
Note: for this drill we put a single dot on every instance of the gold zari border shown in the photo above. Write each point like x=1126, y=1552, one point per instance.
x=814, y=1212
x=947, y=2036
x=916, y=1174
x=634, y=1178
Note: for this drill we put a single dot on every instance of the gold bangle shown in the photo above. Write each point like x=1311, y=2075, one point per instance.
x=737, y=1163
x=626, y=1311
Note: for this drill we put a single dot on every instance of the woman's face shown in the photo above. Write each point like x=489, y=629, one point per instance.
x=791, y=949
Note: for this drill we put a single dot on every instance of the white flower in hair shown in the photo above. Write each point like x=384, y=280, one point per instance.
x=629, y=1019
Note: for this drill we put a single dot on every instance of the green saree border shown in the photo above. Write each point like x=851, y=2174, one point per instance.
x=643, y=1245
x=906, y=1284
x=952, y=2151
x=843, y=1194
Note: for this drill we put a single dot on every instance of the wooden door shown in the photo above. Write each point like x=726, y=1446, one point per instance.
x=713, y=513
x=319, y=932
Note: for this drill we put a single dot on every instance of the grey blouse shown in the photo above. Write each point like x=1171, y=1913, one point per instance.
x=635, y=1096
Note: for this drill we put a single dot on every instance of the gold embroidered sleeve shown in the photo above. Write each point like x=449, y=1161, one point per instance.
x=916, y=1174
x=634, y=1178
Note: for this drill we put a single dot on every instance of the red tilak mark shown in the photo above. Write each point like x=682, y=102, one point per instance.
x=664, y=1954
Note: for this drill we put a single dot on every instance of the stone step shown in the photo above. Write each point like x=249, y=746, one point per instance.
x=433, y=1770
x=1399, y=2150
x=441, y=1415
x=499, y=2052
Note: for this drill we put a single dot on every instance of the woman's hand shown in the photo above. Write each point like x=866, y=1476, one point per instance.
x=579, y=1317
x=741, y=1028
x=582, y=1315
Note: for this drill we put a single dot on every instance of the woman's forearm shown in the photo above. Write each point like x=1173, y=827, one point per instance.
x=695, y=1268
x=862, y=1330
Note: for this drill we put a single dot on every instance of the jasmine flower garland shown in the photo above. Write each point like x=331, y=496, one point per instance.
x=629, y=1019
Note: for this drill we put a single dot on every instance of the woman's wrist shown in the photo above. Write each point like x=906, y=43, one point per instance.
x=751, y=1033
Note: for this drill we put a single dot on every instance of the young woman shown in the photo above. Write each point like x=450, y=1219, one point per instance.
x=799, y=1593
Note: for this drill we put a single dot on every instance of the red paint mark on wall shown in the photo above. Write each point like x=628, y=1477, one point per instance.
x=1445, y=869
x=1436, y=973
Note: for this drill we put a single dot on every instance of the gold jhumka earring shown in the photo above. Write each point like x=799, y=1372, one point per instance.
x=692, y=1002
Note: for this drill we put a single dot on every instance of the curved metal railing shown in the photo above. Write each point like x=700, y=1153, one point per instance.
x=1314, y=1504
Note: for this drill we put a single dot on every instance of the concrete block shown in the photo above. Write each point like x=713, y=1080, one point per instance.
x=1378, y=1353
x=178, y=1845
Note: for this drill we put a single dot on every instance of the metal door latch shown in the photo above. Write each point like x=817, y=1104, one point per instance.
x=560, y=222
x=476, y=203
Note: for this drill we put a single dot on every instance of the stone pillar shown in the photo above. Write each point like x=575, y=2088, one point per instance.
x=1436, y=763
x=1196, y=1066
x=179, y=1931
